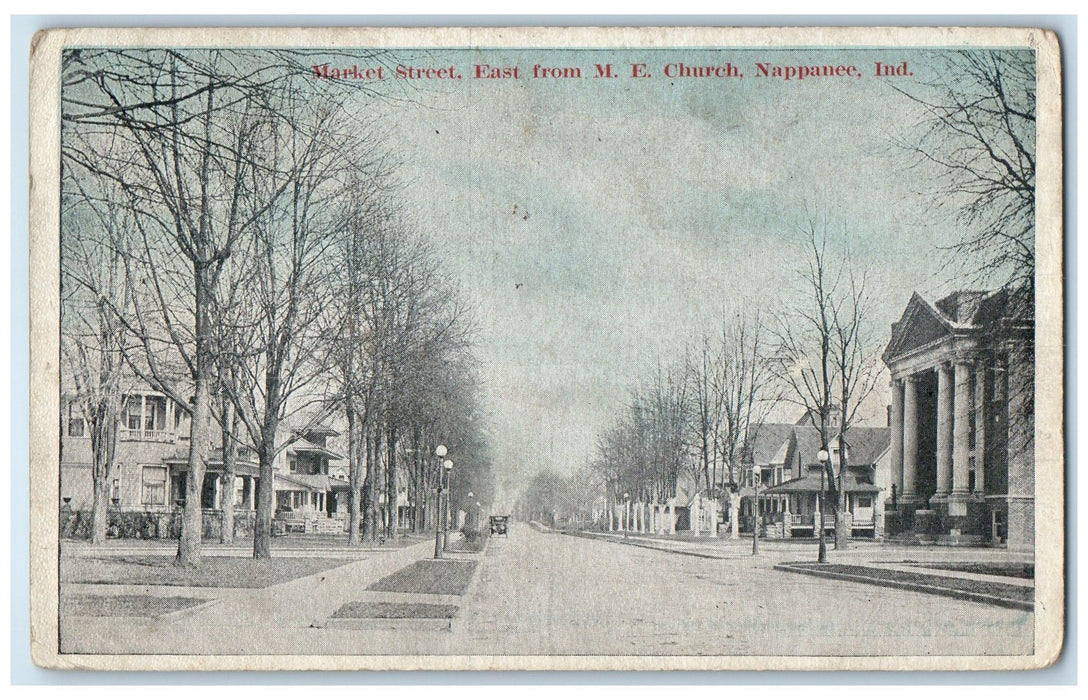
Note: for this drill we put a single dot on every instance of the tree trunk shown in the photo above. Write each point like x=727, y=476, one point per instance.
x=100, y=508
x=391, y=482
x=266, y=492
x=354, y=474
x=104, y=443
x=368, y=488
x=192, y=519
x=230, y=461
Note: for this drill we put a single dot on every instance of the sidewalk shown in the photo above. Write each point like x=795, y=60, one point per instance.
x=270, y=616
x=797, y=549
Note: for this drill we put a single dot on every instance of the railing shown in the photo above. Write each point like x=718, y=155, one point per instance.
x=146, y=435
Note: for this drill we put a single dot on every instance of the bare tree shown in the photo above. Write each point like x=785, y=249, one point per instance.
x=303, y=171
x=976, y=146
x=93, y=284
x=824, y=357
x=174, y=131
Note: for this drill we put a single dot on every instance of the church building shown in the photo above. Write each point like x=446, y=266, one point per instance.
x=962, y=422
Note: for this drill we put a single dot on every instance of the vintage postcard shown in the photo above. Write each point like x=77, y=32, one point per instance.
x=543, y=348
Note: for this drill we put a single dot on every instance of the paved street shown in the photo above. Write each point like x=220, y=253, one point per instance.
x=548, y=593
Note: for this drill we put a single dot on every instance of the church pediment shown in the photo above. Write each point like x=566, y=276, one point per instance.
x=920, y=326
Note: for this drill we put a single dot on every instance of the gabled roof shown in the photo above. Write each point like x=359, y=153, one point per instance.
x=797, y=444
x=771, y=439
x=923, y=323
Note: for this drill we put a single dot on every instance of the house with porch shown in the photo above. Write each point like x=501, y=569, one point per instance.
x=792, y=484
x=150, y=470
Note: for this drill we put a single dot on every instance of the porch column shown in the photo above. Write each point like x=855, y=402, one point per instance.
x=249, y=486
x=143, y=414
x=910, y=437
x=945, y=389
x=961, y=427
x=980, y=429
x=895, y=423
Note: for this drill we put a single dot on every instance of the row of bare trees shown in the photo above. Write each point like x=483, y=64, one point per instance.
x=699, y=419
x=693, y=420
x=230, y=238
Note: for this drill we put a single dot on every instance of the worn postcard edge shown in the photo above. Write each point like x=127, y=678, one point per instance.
x=44, y=410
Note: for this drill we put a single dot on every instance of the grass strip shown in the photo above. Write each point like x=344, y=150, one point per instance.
x=984, y=591
x=213, y=572
x=395, y=611
x=1012, y=570
x=433, y=576
x=125, y=605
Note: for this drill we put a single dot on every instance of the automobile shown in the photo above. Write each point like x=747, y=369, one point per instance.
x=499, y=524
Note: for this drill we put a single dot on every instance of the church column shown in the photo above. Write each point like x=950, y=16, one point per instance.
x=896, y=424
x=980, y=429
x=961, y=427
x=944, y=429
x=910, y=437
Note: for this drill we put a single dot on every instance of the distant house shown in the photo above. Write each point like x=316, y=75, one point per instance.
x=784, y=458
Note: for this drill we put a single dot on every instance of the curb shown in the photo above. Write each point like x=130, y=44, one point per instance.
x=632, y=542
x=932, y=589
x=417, y=624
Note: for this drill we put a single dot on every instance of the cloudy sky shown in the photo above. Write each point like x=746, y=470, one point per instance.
x=599, y=226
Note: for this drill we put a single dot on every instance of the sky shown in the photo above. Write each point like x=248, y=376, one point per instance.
x=599, y=226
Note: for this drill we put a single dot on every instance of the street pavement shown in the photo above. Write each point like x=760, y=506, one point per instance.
x=550, y=593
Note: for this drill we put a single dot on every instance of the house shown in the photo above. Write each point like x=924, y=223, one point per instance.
x=148, y=478
x=962, y=420
x=792, y=483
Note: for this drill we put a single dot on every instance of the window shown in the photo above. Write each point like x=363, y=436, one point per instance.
x=75, y=427
x=154, y=486
x=865, y=502
x=293, y=466
x=133, y=412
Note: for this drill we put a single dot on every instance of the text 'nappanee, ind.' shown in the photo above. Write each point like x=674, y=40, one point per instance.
x=670, y=71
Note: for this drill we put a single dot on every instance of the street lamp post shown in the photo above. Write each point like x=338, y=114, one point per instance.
x=756, y=477
x=447, y=468
x=439, y=452
x=823, y=456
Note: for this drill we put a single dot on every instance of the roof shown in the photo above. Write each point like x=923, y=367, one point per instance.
x=965, y=312
x=303, y=445
x=302, y=425
x=769, y=441
x=811, y=483
x=311, y=482
x=179, y=460
x=798, y=444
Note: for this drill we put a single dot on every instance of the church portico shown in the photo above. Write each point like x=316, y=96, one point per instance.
x=949, y=425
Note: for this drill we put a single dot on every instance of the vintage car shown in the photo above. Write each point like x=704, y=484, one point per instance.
x=499, y=524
